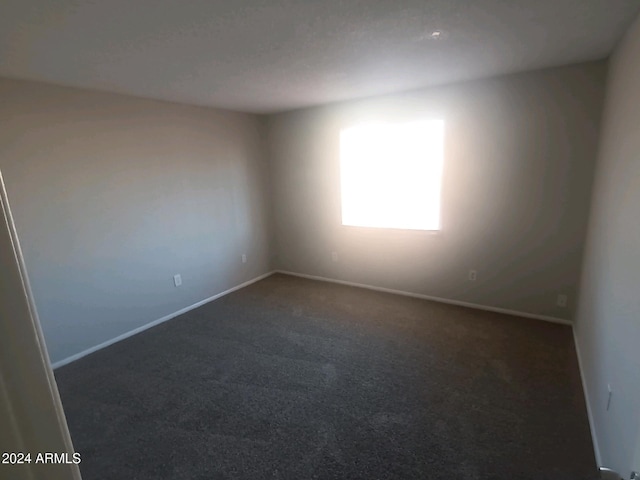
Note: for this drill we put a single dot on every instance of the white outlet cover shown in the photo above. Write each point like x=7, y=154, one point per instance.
x=244, y=258
x=562, y=300
x=177, y=280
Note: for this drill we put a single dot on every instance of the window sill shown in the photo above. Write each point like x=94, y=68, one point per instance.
x=390, y=232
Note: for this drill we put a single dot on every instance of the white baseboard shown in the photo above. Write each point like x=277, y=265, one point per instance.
x=429, y=297
x=592, y=425
x=147, y=326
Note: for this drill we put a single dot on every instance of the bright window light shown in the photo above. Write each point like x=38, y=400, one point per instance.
x=391, y=174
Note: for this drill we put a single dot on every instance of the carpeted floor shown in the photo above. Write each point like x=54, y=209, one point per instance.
x=297, y=379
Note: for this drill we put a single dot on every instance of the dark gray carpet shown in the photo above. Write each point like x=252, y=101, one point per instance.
x=296, y=379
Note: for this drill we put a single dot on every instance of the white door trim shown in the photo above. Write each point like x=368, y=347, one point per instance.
x=30, y=406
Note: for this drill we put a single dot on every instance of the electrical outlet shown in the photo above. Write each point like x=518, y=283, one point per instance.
x=244, y=258
x=334, y=256
x=561, y=301
x=177, y=280
x=473, y=275
x=609, y=397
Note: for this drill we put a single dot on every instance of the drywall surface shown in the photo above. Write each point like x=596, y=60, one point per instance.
x=113, y=195
x=608, y=320
x=519, y=159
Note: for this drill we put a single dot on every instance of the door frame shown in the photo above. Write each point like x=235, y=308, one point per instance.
x=31, y=413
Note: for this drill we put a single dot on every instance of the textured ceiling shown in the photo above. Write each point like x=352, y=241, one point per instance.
x=275, y=55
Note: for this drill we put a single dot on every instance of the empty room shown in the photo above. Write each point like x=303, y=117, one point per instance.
x=297, y=239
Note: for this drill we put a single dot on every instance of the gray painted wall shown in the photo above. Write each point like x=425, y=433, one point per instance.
x=608, y=320
x=520, y=154
x=113, y=195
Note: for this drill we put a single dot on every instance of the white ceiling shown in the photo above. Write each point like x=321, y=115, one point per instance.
x=274, y=55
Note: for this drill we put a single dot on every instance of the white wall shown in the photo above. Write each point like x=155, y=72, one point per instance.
x=608, y=320
x=113, y=195
x=519, y=160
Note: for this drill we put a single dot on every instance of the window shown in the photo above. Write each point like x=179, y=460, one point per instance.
x=391, y=174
